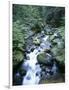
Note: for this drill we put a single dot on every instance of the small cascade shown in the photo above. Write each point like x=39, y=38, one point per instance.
x=32, y=67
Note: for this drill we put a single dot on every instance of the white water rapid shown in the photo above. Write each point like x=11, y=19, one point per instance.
x=32, y=67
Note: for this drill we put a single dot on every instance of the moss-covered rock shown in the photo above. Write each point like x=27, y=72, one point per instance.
x=41, y=58
x=44, y=58
x=22, y=71
x=58, y=36
x=51, y=37
x=17, y=57
x=61, y=58
x=59, y=54
x=36, y=41
x=55, y=50
x=61, y=31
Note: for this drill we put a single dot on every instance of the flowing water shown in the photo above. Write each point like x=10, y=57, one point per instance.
x=34, y=72
x=31, y=65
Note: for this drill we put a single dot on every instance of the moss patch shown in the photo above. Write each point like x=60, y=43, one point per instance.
x=17, y=57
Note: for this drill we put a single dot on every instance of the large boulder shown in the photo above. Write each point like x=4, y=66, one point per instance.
x=44, y=58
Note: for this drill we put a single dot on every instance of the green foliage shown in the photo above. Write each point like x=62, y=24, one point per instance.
x=55, y=16
x=17, y=57
x=28, y=19
x=17, y=32
x=61, y=29
x=26, y=13
x=36, y=28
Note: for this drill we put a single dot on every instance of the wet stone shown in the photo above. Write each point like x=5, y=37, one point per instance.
x=28, y=77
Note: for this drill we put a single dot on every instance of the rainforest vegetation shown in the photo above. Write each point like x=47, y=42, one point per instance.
x=30, y=22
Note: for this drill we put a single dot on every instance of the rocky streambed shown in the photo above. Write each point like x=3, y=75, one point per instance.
x=43, y=59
